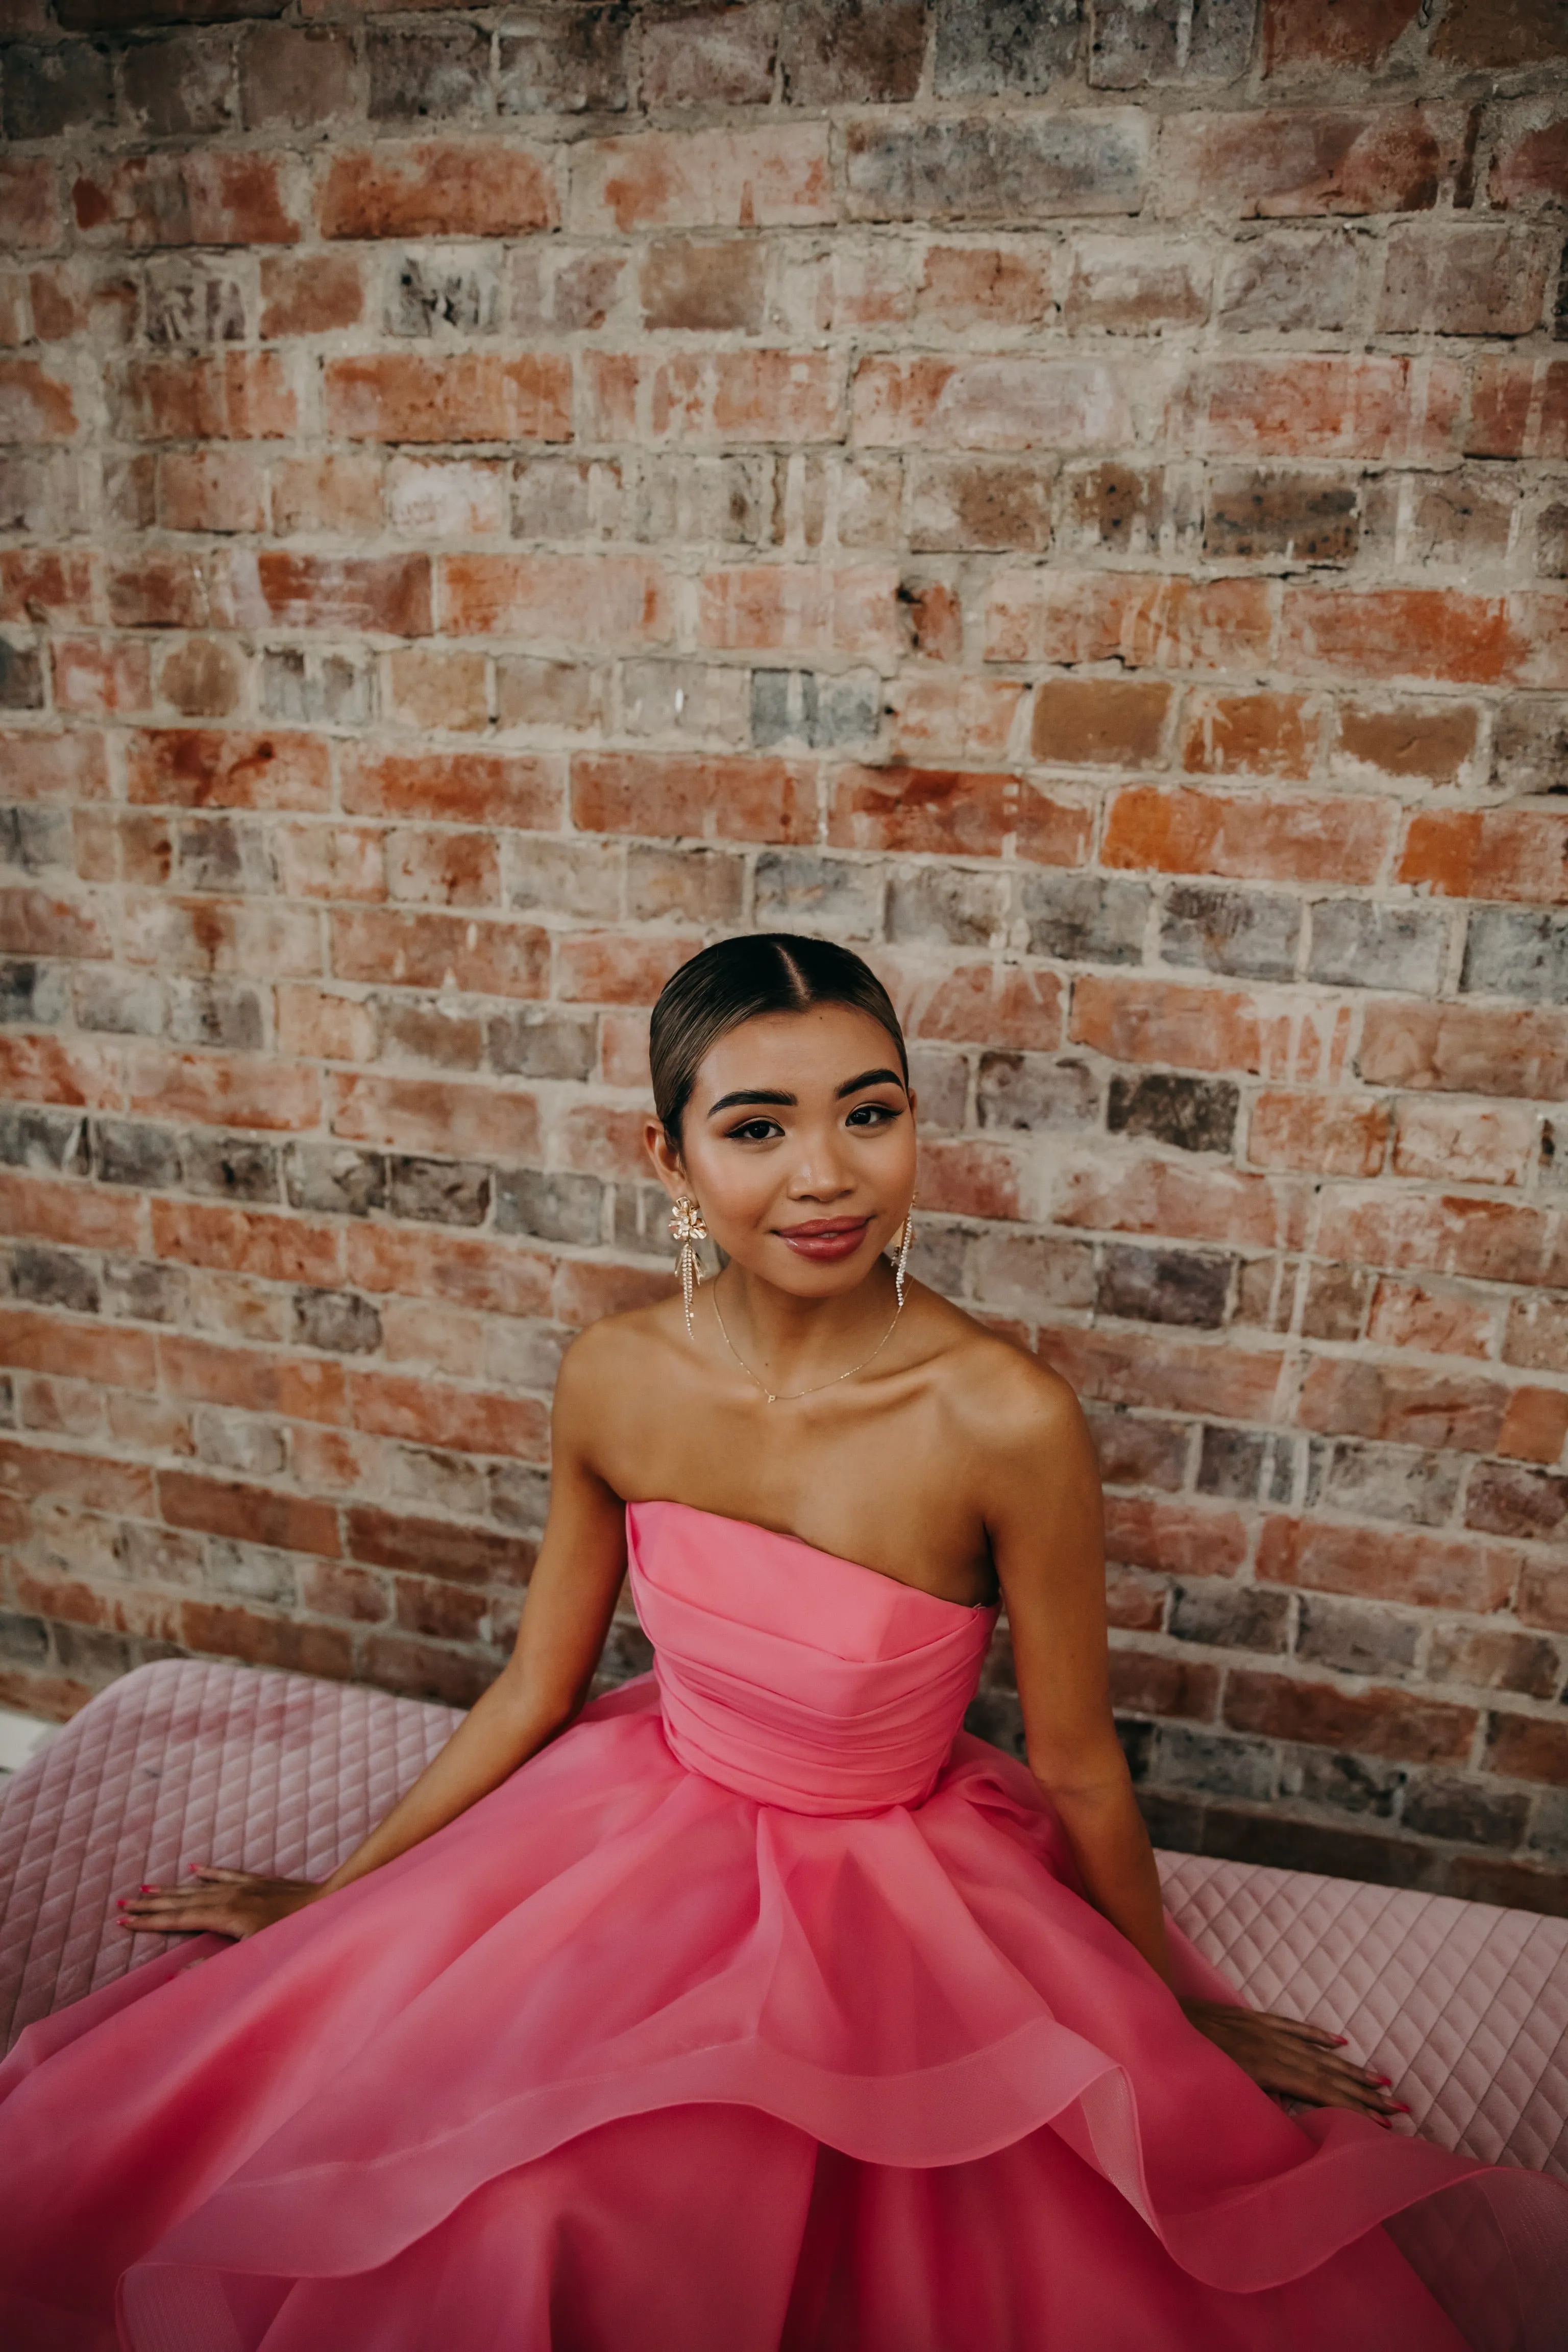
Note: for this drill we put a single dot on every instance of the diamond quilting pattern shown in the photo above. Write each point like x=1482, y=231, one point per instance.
x=182, y=1762
x=1464, y=2005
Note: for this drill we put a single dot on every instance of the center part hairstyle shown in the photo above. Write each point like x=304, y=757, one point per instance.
x=737, y=980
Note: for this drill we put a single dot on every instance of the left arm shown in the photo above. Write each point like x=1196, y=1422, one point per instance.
x=1045, y=1522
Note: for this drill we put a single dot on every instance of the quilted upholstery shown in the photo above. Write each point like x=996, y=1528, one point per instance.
x=1467, y=2006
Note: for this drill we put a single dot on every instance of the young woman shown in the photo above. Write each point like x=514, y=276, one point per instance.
x=752, y=2006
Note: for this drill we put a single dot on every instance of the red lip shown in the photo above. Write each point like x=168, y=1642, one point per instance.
x=824, y=1238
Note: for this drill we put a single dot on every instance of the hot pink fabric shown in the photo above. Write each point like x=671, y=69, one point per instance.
x=749, y=2050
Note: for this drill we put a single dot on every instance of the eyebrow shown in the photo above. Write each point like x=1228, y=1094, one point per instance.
x=791, y=1102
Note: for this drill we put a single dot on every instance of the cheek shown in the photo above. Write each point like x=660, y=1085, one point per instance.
x=733, y=1188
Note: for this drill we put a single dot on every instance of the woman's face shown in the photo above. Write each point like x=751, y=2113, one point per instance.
x=798, y=1143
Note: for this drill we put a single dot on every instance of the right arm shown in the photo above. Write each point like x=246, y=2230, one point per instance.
x=571, y=1599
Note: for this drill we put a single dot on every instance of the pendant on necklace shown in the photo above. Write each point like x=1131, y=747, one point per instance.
x=769, y=1396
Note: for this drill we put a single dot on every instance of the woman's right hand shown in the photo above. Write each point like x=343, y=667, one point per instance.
x=215, y=1902
x=1300, y=2062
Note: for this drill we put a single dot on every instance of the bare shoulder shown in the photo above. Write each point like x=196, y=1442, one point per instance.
x=619, y=1353
x=1001, y=1403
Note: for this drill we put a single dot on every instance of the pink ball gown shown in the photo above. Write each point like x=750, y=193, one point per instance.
x=757, y=2012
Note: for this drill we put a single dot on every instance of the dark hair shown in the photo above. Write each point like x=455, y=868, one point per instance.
x=736, y=979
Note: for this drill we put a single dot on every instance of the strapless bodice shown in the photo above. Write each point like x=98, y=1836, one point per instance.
x=795, y=1677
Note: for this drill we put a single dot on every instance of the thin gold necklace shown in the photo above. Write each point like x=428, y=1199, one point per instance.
x=787, y=1396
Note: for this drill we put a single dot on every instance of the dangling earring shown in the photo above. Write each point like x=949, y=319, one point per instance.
x=905, y=1238
x=687, y=1227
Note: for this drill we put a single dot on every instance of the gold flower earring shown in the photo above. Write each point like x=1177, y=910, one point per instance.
x=901, y=1269
x=687, y=1227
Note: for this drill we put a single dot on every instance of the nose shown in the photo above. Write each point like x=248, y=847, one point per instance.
x=819, y=1173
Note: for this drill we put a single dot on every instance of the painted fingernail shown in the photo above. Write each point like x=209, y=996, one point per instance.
x=1399, y=2107
x=1339, y=2040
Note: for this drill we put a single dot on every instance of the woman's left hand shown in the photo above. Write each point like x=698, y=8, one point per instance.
x=213, y=1901
x=1302, y=2062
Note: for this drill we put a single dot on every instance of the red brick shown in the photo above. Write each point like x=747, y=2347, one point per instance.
x=598, y=1139
x=314, y=1025
x=428, y=1115
x=221, y=1090
x=204, y=767
x=969, y=1180
x=1505, y=853
x=984, y=1004
x=1325, y=838
x=1284, y=165
x=1401, y=1404
x=92, y=1480
x=513, y=790
x=34, y=404
x=385, y=593
x=957, y=812
x=221, y=1506
x=1329, y=1135
x=1439, y=633
x=438, y=189
x=311, y=294
x=1478, y=278
x=798, y=608
x=575, y=600
x=431, y=951
x=1222, y=1379
x=329, y=1590
x=1145, y=621
x=1432, y=743
x=222, y=1631
x=1491, y=1240
x=1099, y=722
x=1366, y=1723
x=98, y=675
x=1532, y=168
x=61, y=1409
x=254, y=1380
x=1499, y=33
x=229, y=396
x=213, y=490
x=39, y=1339
x=955, y=716
x=966, y=286
x=1460, y=1144
x=42, y=1209
x=1437, y=1323
x=1421, y=1569
x=29, y=201
x=207, y=197
x=587, y=1288
x=46, y=1069
x=330, y=861
x=607, y=968
x=1528, y=1747
x=1312, y=405
x=33, y=922
x=1304, y=34
x=494, y=1278
x=1467, y=1049
x=1017, y=402
x=249, y=1241
x=1534, y=1426
x=1518, y=408
x=160, y=591
x=1144, y=1682
x=1139, y=1020
x=338, y=494
x=758, y=177
x=665, y=795
x=46, y=585
x=55, y=767
x=1248, y=734
x=468, y=1420
x=459, y=396
x=1179, y=1538
x=444, y=869
x=1160, y=1196
x=718, y=397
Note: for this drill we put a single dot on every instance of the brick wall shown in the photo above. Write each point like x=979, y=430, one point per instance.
x=1071, y=499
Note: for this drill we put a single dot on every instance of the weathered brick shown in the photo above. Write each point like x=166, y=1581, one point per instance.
x=756, y=178
x=1164, y=1287
x=1278, y=165
x=1532, y=168
x=711, y=59
x=1097, y=722
x=213, y=197
x=1142, y=620
x=991, y=168
x=1016, y=402
x=179, y=87
x=1530, y=744
x=1193, y=1114
x=1292, y=283
x=1467, y=1049
x=436, y=189
x=1355, y=943
x=981, y=503
x=1300, y=517
x=1024, y=1091
x=1301, y=839
x=1087, y=918
x=51, y=91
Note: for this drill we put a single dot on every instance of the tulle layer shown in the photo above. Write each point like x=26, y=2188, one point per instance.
x=623, y=2038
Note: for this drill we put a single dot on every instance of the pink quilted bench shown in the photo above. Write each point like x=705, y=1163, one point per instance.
x=1467, y=2006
